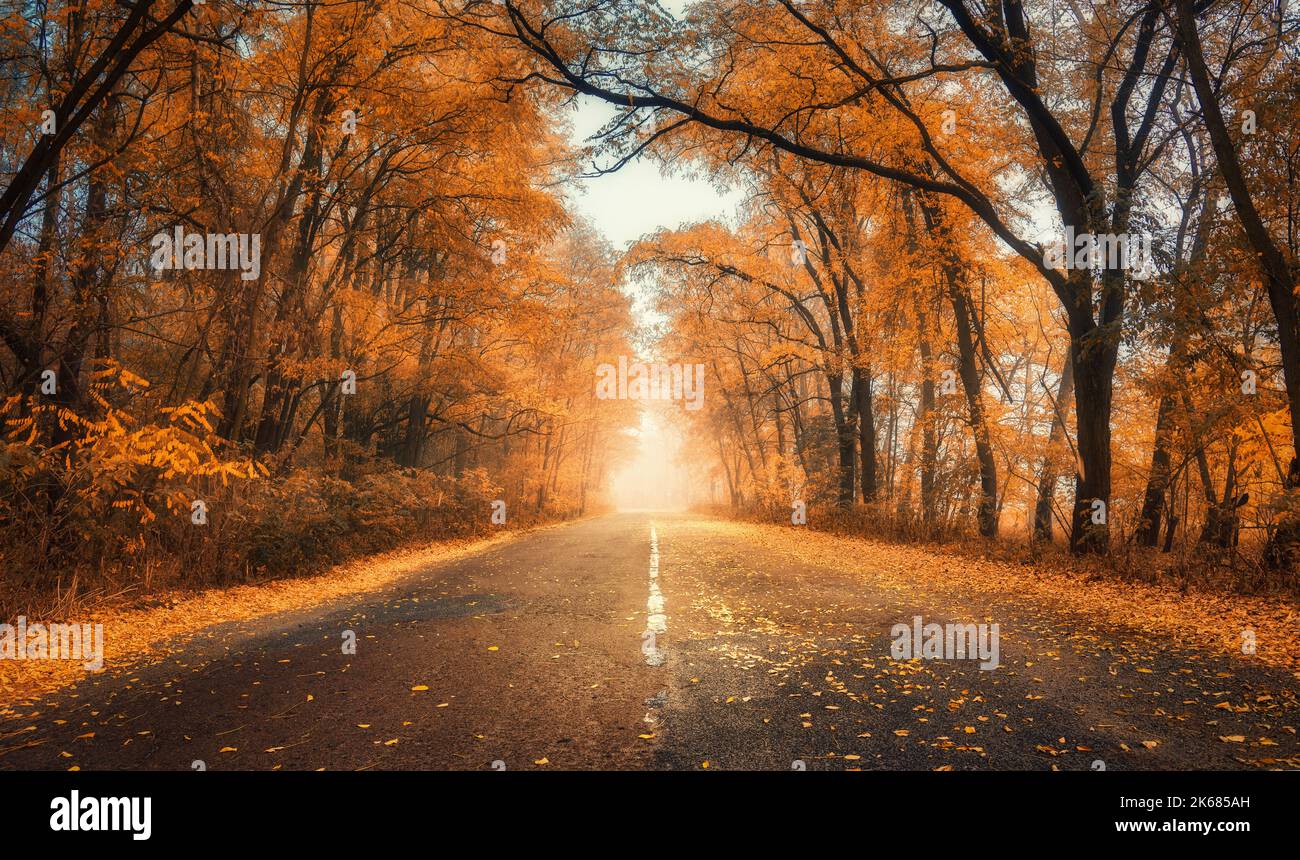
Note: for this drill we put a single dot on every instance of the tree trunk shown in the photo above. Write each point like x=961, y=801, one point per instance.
x=1094, y=353
x=844, y=432
x=1047, y=474
x=970, y=382
x=866, y=433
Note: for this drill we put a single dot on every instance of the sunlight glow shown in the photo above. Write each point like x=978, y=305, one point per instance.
x=654, y=480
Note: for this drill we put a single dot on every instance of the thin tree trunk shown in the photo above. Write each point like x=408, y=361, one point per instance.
x=1047, y=474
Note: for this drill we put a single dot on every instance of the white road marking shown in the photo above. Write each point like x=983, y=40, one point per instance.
x=656, y=621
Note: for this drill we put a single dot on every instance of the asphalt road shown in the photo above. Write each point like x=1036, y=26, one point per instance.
x=561, y=650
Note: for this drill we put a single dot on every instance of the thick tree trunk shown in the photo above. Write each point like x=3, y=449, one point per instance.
x=844, y=433
x=866, y=433
x=417, y=410
x=1094, y=352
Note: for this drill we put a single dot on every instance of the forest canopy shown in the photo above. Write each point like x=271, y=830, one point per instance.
x=311, y=273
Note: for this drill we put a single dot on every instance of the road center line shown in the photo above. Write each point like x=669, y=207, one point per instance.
x=656, y=621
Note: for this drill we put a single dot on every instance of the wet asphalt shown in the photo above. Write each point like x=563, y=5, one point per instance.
x=541, y=653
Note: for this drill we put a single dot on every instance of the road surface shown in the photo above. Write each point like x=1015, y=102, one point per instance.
x=586, y=647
